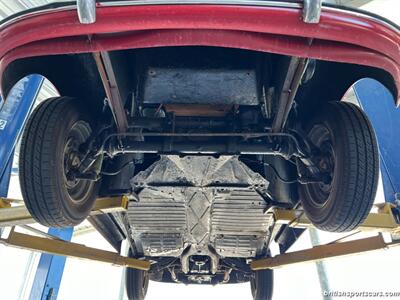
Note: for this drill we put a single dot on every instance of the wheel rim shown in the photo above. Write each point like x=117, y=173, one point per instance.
x=322, y=138
x=78, y=189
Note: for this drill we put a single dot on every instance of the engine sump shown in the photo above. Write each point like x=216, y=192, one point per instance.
x=200, y=205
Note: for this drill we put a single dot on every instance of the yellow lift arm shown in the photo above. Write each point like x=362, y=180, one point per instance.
x=19, y=215
x=69, y=249
x=383, y=221
x=322, y=252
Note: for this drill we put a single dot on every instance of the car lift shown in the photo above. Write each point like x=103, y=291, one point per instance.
x=383, y=221
x=14, y=113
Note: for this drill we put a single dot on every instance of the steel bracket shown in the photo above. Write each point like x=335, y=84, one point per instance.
x=86, y=11
x=312, y=11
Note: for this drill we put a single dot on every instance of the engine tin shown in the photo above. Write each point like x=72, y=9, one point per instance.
x=200, y=205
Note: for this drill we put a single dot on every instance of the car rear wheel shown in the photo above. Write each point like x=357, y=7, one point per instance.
x=49, y=150
x=349, y=156
x=262, y=284
x=136, y=282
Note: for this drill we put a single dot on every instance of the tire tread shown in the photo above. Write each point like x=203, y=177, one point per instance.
x=39, y=189
x=362, y=170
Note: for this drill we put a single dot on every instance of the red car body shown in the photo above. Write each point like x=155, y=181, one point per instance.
x=340, y=36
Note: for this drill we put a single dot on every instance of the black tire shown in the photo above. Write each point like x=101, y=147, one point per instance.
x=342, y=131
x=57, y=125
x=262, y=285
x=136, y=283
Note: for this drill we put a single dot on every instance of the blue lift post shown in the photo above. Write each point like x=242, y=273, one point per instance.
x=377, y=102
x=13, y=116
x=5, y=178
x=50, y=270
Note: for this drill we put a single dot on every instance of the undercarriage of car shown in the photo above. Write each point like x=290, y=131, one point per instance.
x=197, y=208
x=205, y=141
x=196, y=155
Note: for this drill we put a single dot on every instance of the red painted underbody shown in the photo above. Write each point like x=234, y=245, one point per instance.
x=340, y=36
